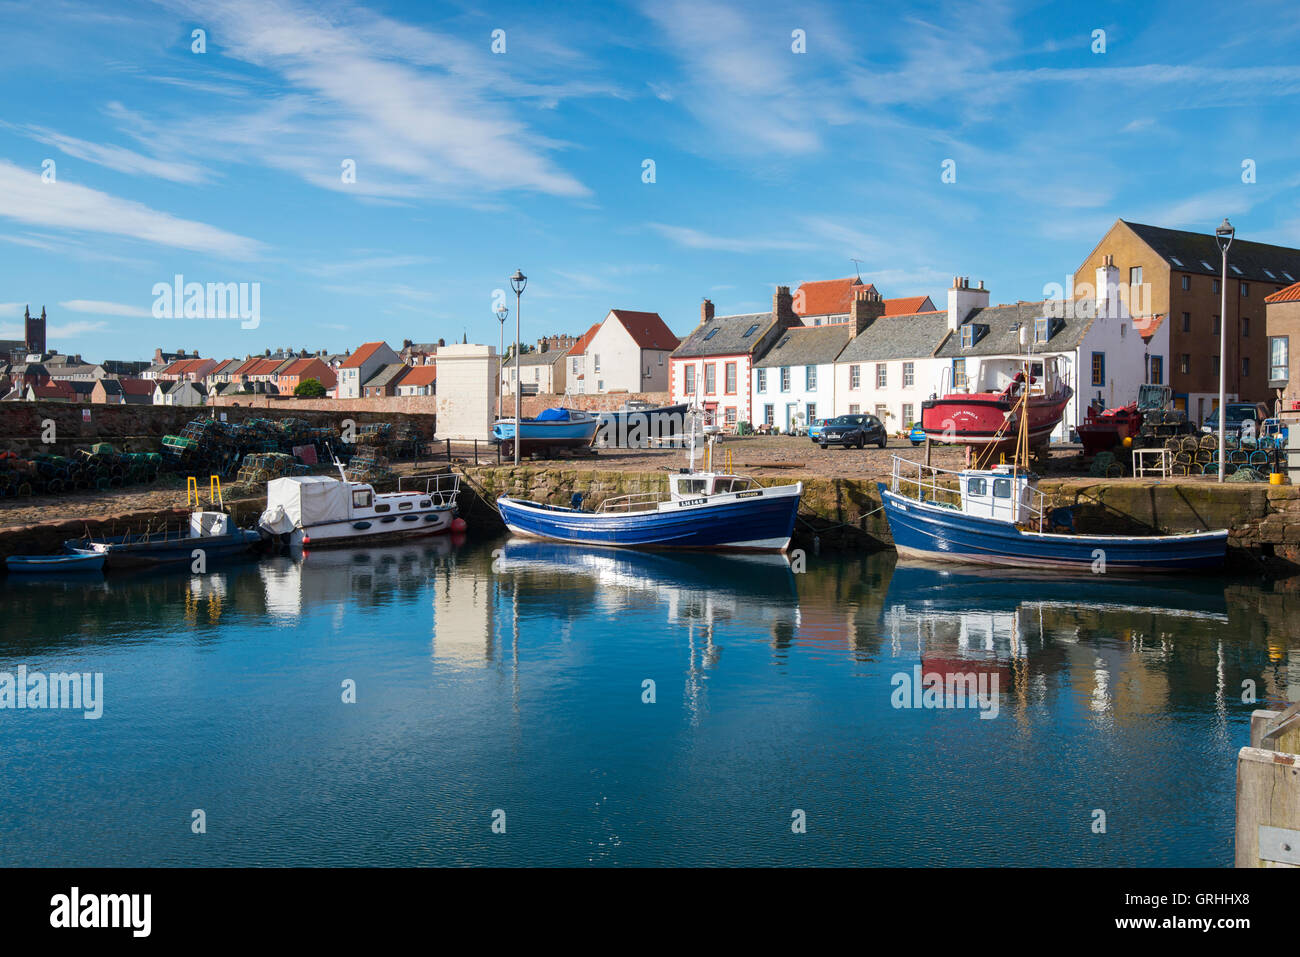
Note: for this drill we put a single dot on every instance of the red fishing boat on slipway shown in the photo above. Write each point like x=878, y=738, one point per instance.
x=985, y=415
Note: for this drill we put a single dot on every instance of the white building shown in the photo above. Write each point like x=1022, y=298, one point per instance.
x=357, y=369
x=794, y=381
x=890, y=368
x=540, y=372
x=1101, y=354
x=626, y=352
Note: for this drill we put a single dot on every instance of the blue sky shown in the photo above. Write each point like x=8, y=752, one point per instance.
x=771, y=166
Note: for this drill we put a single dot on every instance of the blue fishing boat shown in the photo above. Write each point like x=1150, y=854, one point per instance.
x=998, y=517
x=704, y=510
x=551, y=429
x=212, y=533
x=53, y=564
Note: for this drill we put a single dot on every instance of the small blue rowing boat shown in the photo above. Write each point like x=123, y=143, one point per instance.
x=56, y=564
x=552, y=429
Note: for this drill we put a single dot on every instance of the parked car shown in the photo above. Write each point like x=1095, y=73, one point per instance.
x=853, y=430
x=916, y=434
x=1237, y=415
x=815, y=430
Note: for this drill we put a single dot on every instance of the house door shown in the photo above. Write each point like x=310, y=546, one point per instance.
x=791, y=415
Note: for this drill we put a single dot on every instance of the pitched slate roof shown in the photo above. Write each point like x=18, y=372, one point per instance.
x=647, y=329
x=1199, y=253
x=390, y=374
x=805, y=346
x=827, y=297
x=1004, y=321
x=725, y=336
x=1289, y=294
x=915, y=336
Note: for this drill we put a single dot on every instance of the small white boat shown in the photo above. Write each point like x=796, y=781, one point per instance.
x=316, y=510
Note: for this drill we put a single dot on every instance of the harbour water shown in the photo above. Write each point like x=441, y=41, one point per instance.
x=618, y=708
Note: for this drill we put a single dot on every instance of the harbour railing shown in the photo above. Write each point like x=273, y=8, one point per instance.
x=442, y=488
x=944, y=487
x=635, y=502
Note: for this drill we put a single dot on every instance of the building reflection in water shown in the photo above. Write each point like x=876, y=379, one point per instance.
x=1033, y=631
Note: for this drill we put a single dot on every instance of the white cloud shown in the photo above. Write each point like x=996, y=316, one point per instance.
x=117, y=157
x=101, y=307
x=694, y=239
x=24, y=197
x=420, y=113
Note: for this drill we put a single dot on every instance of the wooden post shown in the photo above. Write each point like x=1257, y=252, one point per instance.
x=476, y=451
x=927, y=451
x=1268, y=795
x=449, y=451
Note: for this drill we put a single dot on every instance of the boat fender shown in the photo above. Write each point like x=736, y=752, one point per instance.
x=458, y=524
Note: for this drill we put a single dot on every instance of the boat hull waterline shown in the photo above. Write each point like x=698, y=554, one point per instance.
x=761, y=521
x=935, y=533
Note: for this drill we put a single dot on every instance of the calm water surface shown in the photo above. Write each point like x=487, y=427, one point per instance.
x=515, y=681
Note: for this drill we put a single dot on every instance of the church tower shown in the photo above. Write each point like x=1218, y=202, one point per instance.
x=34, y=331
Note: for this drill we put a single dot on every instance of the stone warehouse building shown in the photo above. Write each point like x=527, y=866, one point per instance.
x=1176, y=274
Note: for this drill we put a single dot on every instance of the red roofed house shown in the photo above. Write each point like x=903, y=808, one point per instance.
x=908, y=306
x=299, y=370
x=574, y=375
x=361, y=365
x=827, y=297
x=421, y=380
x=191, y=370
x=1281, y=325
x=626, y=352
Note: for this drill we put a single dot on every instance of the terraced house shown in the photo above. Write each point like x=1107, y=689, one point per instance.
x=714, y=364
x=794, y=381
x=890, y=367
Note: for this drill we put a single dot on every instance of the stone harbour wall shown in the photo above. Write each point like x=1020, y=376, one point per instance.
x=1264, y=520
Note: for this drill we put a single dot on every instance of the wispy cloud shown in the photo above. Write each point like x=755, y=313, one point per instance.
x=117, y=158
x=25, y=198
x=421, y=114
x=695, y=239
x=101, y=307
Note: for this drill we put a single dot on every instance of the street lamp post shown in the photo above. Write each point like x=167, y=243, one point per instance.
x=502, y=312
x=1224, y=236
x=517, y=282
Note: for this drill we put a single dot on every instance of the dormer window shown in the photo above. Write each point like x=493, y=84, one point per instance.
x=1042, y=329
x=967, y=336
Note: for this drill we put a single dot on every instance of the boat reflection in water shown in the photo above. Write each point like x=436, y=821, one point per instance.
x=700, y=591
x=1029, y=633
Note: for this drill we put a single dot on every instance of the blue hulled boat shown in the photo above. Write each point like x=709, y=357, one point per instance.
x=997, y=517
x=552, y=429
x=53, y=564
x=212, y=533
x=704, y=510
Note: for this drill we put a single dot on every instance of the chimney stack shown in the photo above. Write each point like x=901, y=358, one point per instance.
x=866, y=308
x=706, y=311
x=963, y=300
x=783, y=308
